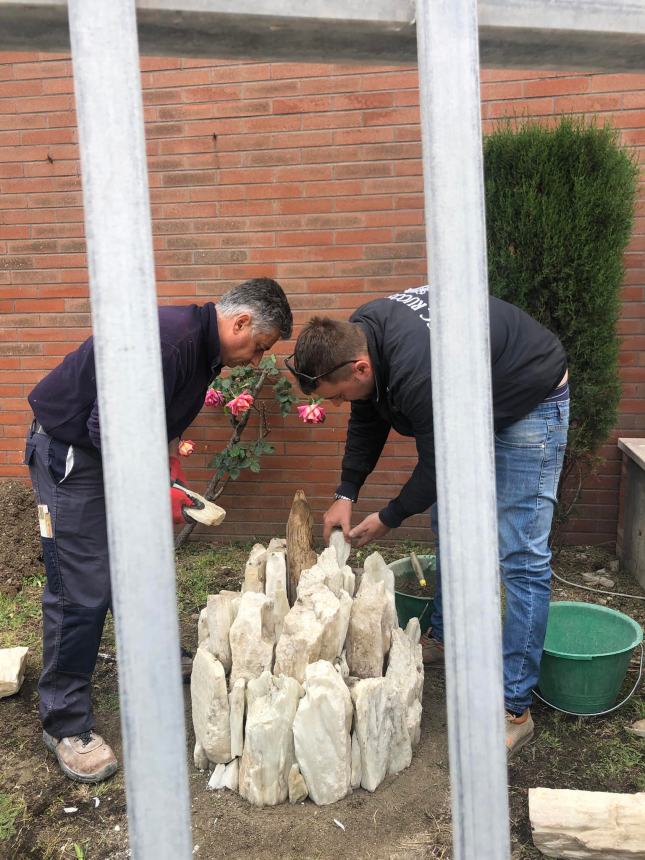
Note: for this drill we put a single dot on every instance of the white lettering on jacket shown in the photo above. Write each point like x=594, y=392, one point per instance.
x=410, y=298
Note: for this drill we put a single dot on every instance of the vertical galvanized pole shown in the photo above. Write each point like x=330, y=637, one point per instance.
x=131, y=402
x=454, y=204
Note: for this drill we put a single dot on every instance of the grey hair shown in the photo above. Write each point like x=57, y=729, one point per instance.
x=264, y=300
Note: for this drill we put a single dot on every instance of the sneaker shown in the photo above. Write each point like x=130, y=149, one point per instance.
x=433, y=655
x=519, y=731
x=84, y=758
x=186, y=665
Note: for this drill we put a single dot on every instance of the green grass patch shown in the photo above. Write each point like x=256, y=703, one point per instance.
x=11, y=808
x=617, y=759
x=20, y=618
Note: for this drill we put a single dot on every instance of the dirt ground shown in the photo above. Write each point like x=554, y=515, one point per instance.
x=407, y=818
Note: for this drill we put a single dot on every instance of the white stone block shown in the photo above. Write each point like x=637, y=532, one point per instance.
x=377, y=570
x=199, y=757
x=276, y=588
x=237, y=702
x=268, y=744
x=405, y=671
x=219, y=616
x=13, y=662
x=252, y=637
x=210, y=709
x=381, y=730
x=413, y=630
x=258, y=554
x=370, y=625
x=588, y=824
x=342, y=547
x=202, y=626
x=297, y=787
x=225, y=776
x=254, y=573
x=277, y=545
x=349, y=580
x=321, y=732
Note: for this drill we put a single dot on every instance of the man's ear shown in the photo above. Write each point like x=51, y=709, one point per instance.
x=363, y=367
x=241, y=322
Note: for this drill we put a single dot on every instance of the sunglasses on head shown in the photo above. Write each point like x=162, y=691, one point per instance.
x=312, y=380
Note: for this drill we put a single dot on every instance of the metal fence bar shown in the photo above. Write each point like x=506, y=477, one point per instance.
x=461, y=391
x=131, y=399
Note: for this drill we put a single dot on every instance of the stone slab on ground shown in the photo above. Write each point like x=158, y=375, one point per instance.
x=597, y=825
x=12, y=669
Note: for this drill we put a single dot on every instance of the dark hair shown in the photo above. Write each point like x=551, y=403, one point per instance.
x=264, y=300
x=323, y=344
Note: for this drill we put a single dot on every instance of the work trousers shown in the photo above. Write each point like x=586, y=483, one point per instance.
x=76, y=598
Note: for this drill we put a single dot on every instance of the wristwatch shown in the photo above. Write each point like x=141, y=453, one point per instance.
x=340, y=497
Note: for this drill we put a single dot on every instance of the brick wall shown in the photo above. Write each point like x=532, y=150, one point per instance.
x=310, y=174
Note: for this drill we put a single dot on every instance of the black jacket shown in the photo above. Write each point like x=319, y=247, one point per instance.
x=527, y=360
x=65, y=403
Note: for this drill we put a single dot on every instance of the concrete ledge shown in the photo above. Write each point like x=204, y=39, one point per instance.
x=635, y=450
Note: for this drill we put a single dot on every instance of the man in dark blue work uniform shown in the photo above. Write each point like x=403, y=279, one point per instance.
x=63, y=453
x=380, y=361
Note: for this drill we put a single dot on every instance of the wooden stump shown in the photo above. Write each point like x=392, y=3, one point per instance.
x=300, y=551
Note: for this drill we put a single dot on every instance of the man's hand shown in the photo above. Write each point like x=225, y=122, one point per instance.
x=371, y=528
x=339, y=514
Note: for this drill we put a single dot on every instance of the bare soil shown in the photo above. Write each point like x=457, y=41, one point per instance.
x=407, y=818
x=20, y=550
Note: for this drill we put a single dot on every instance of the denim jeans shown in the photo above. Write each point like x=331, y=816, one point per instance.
x=528, y=462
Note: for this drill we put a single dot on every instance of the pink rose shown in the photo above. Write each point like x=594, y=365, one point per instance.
x=240, y=404
x=213, y=398
x=185, y=448
x=312, y=413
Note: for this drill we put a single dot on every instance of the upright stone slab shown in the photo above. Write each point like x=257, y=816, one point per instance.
x=252, y=637
x=255, y=570
x=277, y=545
x=312, y=631
x=219, y=617
x=370, y=627
x=12, y=669
x=276, y=588
x=377, y=571
x=202, y=626
x=321, y=732
x=341, y=547
x=210, y=709
x=237, y=700
x=405, y=671
x=381, y=730
x=297, y=786
x=268, y=745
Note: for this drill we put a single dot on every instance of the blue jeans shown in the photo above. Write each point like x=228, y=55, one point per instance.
x=528, y=462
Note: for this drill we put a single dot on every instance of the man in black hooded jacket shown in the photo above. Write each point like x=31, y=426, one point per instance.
x=380, y=362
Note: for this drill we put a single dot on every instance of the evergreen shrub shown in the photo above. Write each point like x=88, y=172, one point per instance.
x=559, y=209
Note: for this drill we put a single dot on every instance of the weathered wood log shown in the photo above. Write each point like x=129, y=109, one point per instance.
x=300, y=542
x=597, y=825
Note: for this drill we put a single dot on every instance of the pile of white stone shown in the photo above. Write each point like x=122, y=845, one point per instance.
x=310, y=700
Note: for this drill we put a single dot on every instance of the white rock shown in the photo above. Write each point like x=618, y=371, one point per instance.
x=413, y=630
x=297, y=787
x=340, y=665
x=219, y=616
x=254, y=573
x=209, y=696
x=370, y=625
x=321, y=732
x=258, y=554
x=268, y=744
x=349, y=580
x=252, y=637
x=215, y=781
x=357, y=773
x=377, y=570
x=314, y=629
x=405, y=671
x=237, y=701
x=276, y=588
x=342, y=547
x=231, y=775
x=277, y=545
x=381, y=730
x=202, y=626
x=12, y=669
x=199, y=757
x=587, y=824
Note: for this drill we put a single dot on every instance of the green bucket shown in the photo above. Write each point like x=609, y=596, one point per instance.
x=586, y=654
x=407, y=605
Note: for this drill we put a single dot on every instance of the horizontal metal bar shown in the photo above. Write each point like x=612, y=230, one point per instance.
x=601, y=35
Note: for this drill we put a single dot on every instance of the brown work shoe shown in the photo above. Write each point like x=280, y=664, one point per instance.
x=432, y=649
x=519, y=731
x=84, y=758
